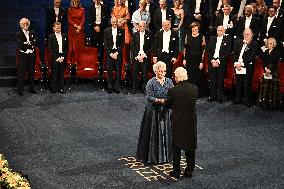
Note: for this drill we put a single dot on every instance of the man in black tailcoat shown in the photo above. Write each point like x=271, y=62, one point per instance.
x=244, y=54
x=182, y=100
x=219, y=48
x=54, y=14
x=27, y=42
x=58, y=47
x=99, y=18
x=166, y=47
x=113, y=43
x=161, y=14
x=142, y=45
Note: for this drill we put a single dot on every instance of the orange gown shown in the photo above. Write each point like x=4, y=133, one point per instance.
x=76, y=15
x=122, y=12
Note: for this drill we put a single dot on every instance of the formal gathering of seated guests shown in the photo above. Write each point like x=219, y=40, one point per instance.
x=203, y=36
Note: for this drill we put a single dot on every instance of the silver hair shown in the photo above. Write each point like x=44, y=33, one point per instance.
x=24, y=20
x=181, y=74
x=159, y=65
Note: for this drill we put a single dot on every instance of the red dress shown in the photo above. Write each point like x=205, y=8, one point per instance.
x=76, y=15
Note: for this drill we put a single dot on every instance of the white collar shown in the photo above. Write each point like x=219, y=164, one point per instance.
x=250, y=17
x=142, y=33
x=271, y=18
x=167, y=32
x=57, y=34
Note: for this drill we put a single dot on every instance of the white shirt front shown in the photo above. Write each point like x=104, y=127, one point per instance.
x=98, y=14
x=166, y=41
x=148, y=7
x=217, y=48
x=226, y=21
x=126, y=3
x=56, y=11
x=59, y=41
x=240, y=59
x=197, y=7
x=248, y=21
x=141, y=51
x=242, y=6
x=220, y=3
x=269, y=22
x=164, y=14
x=26, y=33
x=114, y=34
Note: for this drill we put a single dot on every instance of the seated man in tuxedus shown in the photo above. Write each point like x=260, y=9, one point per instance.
x=27, y=43
x=58, y=47
x=113, y=43
x=182, y=100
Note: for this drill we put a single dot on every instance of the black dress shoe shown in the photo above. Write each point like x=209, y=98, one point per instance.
x=174, y=174
x=187, y=174
x=21, y=93
x=109, y=91
x=210, y=99
x=117, y=91
x=32, y=91
x=62, y=91
x=52, y=90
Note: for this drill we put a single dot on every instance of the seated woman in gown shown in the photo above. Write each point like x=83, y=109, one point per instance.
x=155, y=138
x=269, y=92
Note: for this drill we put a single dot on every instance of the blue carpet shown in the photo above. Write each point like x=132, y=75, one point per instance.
x=75, y=140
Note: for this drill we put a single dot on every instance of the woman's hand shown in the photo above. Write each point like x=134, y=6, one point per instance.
x=201, y=66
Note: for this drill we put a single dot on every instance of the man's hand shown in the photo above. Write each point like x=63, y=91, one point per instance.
x=155, y=60
x=97, y=28
x=184, y=62
x=239, y=66
x=201, y=66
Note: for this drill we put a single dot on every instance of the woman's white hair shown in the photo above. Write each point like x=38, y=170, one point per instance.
x=181, y=74
x=23, y=20
x=159, y=65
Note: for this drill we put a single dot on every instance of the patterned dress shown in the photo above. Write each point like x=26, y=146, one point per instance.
x=155, y=137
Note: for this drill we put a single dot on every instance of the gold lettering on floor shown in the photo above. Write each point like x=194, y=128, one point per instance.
x=153, y=172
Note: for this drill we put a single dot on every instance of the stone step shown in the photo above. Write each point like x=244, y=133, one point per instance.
x=8, y=71
x=8, y=81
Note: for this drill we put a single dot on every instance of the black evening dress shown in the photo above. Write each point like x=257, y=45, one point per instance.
x=269, y=91
x=193, y=56
x=155, y=137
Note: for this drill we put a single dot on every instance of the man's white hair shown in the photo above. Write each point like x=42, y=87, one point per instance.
x=23, y=20
x=181, y=74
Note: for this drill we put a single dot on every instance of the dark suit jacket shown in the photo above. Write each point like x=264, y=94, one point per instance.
x=22, y=40
x=232, y=18
x=105, y=15
x=158, y=18
x=254, y=26
x=274, y=30
x=248, y=55
x=54, y=47
x=203, y=9
x=173, y=46
x=225, y=49
x=131, y=6
x=148, y=43
x=50, y=18
x=182, y=100
x=108, y=41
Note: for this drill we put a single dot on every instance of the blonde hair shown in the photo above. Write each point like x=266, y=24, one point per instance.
x=272, y=40
x=181, y=74
x=72, y=3
x=23, y=20
x=159, y=65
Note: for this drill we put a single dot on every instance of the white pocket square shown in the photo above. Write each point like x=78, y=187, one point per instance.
x=174, y=38
x=250, y=63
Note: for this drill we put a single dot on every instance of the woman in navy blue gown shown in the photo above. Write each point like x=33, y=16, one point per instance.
x=155, y=138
